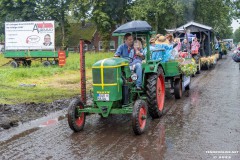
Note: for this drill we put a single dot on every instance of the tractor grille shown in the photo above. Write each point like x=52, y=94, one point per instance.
x=108, y=76
x=96, y=76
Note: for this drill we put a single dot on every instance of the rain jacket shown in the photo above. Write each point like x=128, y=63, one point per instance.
x=163, y=55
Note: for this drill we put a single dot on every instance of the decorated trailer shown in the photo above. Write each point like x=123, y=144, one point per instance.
x=32, y=40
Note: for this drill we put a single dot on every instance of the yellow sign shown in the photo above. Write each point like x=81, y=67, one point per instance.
x=103, y=92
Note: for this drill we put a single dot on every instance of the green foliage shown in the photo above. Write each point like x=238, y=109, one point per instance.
x=21, y=10
x=103, y=22
x=236, y=36
x=56, y=10
x=106, y=14
x=80, y=9
x=215, y=14
x=188, y=67
x=2, y=37
x=161, y=14
x=235, y=5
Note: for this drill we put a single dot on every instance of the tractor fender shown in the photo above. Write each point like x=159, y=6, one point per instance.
x=152, y=68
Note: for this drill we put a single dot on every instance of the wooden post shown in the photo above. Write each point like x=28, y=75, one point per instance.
x=82, y=72
x=209, y=46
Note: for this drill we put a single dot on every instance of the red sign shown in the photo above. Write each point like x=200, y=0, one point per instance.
x=61, y=58
x=45, y=25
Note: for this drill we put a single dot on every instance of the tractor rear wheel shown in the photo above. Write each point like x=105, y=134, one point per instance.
x=156, y=93
x=178, y=88
x=139, y=116
x=76, y=120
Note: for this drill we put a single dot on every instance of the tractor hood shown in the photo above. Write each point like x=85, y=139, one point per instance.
x=111, y=63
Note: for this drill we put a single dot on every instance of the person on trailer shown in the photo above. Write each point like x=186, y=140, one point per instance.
x=164, y=56
x=156, y=38
x=179, y=44
x=195, y=46
x=184, y=49
x=185, y=46
x=169, y=39
x=125, y=51
x=152, y=44
x=152, y=47
x=177, y=48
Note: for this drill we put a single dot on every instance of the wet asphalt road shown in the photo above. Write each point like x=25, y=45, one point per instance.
x=206, y=119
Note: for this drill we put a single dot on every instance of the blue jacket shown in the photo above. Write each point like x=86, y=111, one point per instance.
x=163, y=55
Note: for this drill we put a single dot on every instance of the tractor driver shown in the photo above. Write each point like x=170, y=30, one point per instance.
x=124, y=51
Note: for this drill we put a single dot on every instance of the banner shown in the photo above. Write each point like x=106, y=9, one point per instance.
x=30, y=35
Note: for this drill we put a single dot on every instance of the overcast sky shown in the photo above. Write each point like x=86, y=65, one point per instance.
x=235, y=24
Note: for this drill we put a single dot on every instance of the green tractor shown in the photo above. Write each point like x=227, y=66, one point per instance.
x=114, y=90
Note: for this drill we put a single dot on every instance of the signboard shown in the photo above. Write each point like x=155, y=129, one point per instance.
x=30, y=35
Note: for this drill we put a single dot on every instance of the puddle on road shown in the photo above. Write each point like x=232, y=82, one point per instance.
x=32, y=126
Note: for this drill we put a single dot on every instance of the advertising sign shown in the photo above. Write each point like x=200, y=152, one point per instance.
x=30, y=35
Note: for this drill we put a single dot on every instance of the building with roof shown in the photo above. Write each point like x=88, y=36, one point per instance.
x=88, y=32
x=203, y=32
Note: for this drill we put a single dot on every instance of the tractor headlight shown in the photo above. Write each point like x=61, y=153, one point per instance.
x=134, y=76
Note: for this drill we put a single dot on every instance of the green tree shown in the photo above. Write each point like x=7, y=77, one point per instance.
x=56, y=10
x=106, y=14
x=215, y=13
x=2, y=38
x=103, y=22
x=236, y=35
x=161, y=14
x=20, y=10
x=80, y=10
x=235, y=5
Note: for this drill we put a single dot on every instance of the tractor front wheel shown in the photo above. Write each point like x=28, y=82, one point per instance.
x=76, y=119
x=156, y=93
x=139, y=116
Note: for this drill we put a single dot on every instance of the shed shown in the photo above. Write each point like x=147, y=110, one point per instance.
x=203, y=32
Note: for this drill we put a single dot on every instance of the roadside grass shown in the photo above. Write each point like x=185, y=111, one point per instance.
x=52, y=83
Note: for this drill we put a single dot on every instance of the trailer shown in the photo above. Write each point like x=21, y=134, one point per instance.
x=205, y=35
x=25, y=58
